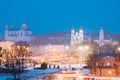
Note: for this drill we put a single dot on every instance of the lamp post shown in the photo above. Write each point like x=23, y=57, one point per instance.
x=68, y=49
x=83, y=53
x=80, y=54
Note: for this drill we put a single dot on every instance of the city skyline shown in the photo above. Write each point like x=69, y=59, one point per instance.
x=59, y=16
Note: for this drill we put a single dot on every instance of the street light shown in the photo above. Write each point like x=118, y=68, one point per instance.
x=68, y=49
x=118, y=49
x=109, y=72
x=86, y=47
x=84, y=51
x=80, y=55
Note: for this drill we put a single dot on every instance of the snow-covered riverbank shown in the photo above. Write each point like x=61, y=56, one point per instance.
x=33, y=74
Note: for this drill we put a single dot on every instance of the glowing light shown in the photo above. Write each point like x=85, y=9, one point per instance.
x=27, y=48
x=80, y=48
x=63, y=72
x=109, y=72
x=119, y=48
x=108, y=64
x=67, y=47
x=86, y=47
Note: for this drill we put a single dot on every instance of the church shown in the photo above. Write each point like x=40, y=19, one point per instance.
x=78, y=37
x=17, y=35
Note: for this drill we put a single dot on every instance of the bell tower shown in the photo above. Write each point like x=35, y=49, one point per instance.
x=101, y=36
x=80, y=35
x=72, y=35
x=6, y=31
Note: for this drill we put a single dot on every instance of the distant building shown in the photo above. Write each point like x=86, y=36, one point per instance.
x=78, y=37
x=106, y=64
x=102, y=41
x=6, y=44
x=16, y=35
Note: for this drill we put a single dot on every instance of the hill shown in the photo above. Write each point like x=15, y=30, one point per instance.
x=63, y=38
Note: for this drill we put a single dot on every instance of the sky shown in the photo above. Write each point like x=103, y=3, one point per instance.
x=46, y=16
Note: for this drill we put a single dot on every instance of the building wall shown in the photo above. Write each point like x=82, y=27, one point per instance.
x=102, y=68
x=105, y=72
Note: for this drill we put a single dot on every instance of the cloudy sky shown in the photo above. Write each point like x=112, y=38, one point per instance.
x=45, y=16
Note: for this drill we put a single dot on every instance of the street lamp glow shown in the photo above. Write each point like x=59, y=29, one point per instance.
x=27, y=48
x=67, y=47
x=86, y=47
x=109, y=72
x=80, y=48
x=118, y=48
x=108, y=64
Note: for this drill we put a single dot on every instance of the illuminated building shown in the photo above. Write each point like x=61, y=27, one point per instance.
x=105, y=65
x=78, y=37
x=16, y=35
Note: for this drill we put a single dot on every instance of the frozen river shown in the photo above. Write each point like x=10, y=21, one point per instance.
x=34, y=74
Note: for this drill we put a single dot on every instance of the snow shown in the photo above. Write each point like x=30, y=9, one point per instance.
x=38, y=74
x=34, y=74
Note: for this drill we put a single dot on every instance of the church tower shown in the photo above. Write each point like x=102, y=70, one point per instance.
x=80, y=35
x=6, y=32
x=101, y=36
x=72, y=35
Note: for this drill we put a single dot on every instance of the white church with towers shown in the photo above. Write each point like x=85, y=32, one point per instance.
x=78, y=37
x=17, y=35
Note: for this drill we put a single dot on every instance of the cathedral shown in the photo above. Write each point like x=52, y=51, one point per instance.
x=78, y=37
x=17, y=35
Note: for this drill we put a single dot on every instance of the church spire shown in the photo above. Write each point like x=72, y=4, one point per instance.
x=72, y=27
x=6, y=26
x=80, y=34
x=81, y=28
x=101, y=34
x=101, y=28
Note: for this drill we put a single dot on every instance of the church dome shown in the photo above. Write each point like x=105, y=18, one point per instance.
x=24, y=26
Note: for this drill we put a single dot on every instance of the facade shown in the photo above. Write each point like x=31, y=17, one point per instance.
x=16, y=35
x=78, y=37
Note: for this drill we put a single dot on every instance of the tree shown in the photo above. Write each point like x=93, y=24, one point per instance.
x=15, y=59
x=0, y=55
x=0, y=52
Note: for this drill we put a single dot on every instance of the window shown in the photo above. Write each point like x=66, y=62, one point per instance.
x=21, y=33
